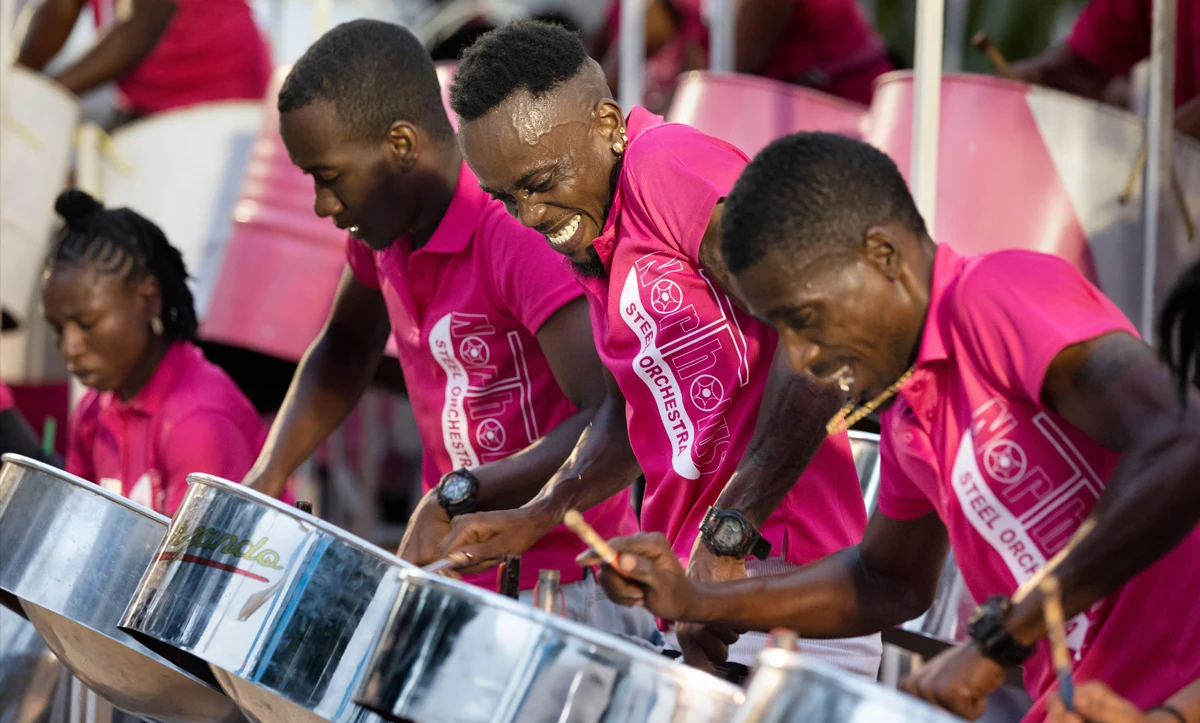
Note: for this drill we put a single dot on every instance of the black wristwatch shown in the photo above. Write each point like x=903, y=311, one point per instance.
x=727, y=533
x=986, y=628
x=456, y=492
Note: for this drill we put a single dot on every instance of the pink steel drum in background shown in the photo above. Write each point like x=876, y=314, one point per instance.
x=184, y=170
x=283, y=262
x=445, y=73
x=37, y=126
x=1032, y=168
x=750, y=112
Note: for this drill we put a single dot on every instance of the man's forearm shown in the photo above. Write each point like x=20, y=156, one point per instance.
x=331, y=378
x=119, y=51
x=511, y=482
x=601, y=465
x=835, y=597
x=786, y=439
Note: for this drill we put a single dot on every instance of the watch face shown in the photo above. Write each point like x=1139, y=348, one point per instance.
x=456, y=488
x=728, y=535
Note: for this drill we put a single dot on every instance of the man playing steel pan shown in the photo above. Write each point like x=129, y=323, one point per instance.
x=1108, y=39
x=490, y=329
x=740, y=475
x=1028, y=427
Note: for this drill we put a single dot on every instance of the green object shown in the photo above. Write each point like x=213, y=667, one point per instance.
x=49, y=433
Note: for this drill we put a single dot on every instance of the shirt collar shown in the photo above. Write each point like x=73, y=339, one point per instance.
x=180, y=356
x=638, y=120
x=947, y=265
x=458, y=225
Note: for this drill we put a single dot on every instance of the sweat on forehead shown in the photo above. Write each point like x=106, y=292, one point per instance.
x=536, y=57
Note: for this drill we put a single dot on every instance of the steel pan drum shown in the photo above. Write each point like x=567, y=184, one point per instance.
x=452, y=653
x=286, y=608
x=750, y=111
x=1032, y=168
x=73, y=555
x=788, y=687
x=185, y=169
x=37, y=128
x=29, y=672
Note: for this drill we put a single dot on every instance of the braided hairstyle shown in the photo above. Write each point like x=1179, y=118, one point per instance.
x=1179, y=329
x=121, y=241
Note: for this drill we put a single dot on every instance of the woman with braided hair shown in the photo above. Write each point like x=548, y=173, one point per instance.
x=115, y=293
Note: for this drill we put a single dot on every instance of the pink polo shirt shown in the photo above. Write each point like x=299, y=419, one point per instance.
x=1114, y=35
x=969, y=438
x=189, y=417
x=465, y=309
x=691, y=365
x=212, y=50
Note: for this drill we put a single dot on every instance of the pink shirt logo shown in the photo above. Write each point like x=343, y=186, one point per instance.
x=477, y=401
x=684, y=357
x=1025, y=488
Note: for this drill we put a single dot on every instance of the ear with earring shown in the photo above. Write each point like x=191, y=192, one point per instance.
x=156, y=326
x=619, y=145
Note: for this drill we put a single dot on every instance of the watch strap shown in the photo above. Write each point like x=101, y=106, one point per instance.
x=986, y=627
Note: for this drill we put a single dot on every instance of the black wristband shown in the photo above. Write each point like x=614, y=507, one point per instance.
x=1165, y=708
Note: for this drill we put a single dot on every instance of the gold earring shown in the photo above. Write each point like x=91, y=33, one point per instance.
x=618, y=146
x=156, y=326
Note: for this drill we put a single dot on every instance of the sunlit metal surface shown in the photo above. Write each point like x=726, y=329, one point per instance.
x=787, y=687
x=286, y=608
x=452, y=653
x=73, y=555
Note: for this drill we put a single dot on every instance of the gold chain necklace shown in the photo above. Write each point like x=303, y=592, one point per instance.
x=847, y=416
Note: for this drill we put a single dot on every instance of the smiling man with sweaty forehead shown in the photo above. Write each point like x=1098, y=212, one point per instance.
x=740, y=476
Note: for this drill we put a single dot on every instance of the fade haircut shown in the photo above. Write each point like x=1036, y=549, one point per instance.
x=810, y=194
x=373, y=74
x=528, y=55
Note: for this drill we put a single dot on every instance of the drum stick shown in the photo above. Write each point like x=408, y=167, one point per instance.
x=584, y=531
x=1053, y=613
x=983, y=44
x=1139, y=166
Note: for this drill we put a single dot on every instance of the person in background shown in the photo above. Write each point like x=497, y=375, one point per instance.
x=1108, y=39
x=115, y=295
x=740, y=473
x=491, y=330
x=16, y=436
x=162, y=54
x=1028, y=429
x=824, y=44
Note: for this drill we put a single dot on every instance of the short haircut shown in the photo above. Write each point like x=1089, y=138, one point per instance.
x=809, y=194
x=374, y=74
x=525, y=55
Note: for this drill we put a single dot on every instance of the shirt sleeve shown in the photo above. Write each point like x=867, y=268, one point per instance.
x=1016, y=310
x=902, y=473
x=6, y=397
x=362, y=262
x=1113, y=35
x=530, y=279
x=676, y=177
x=204, y=441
